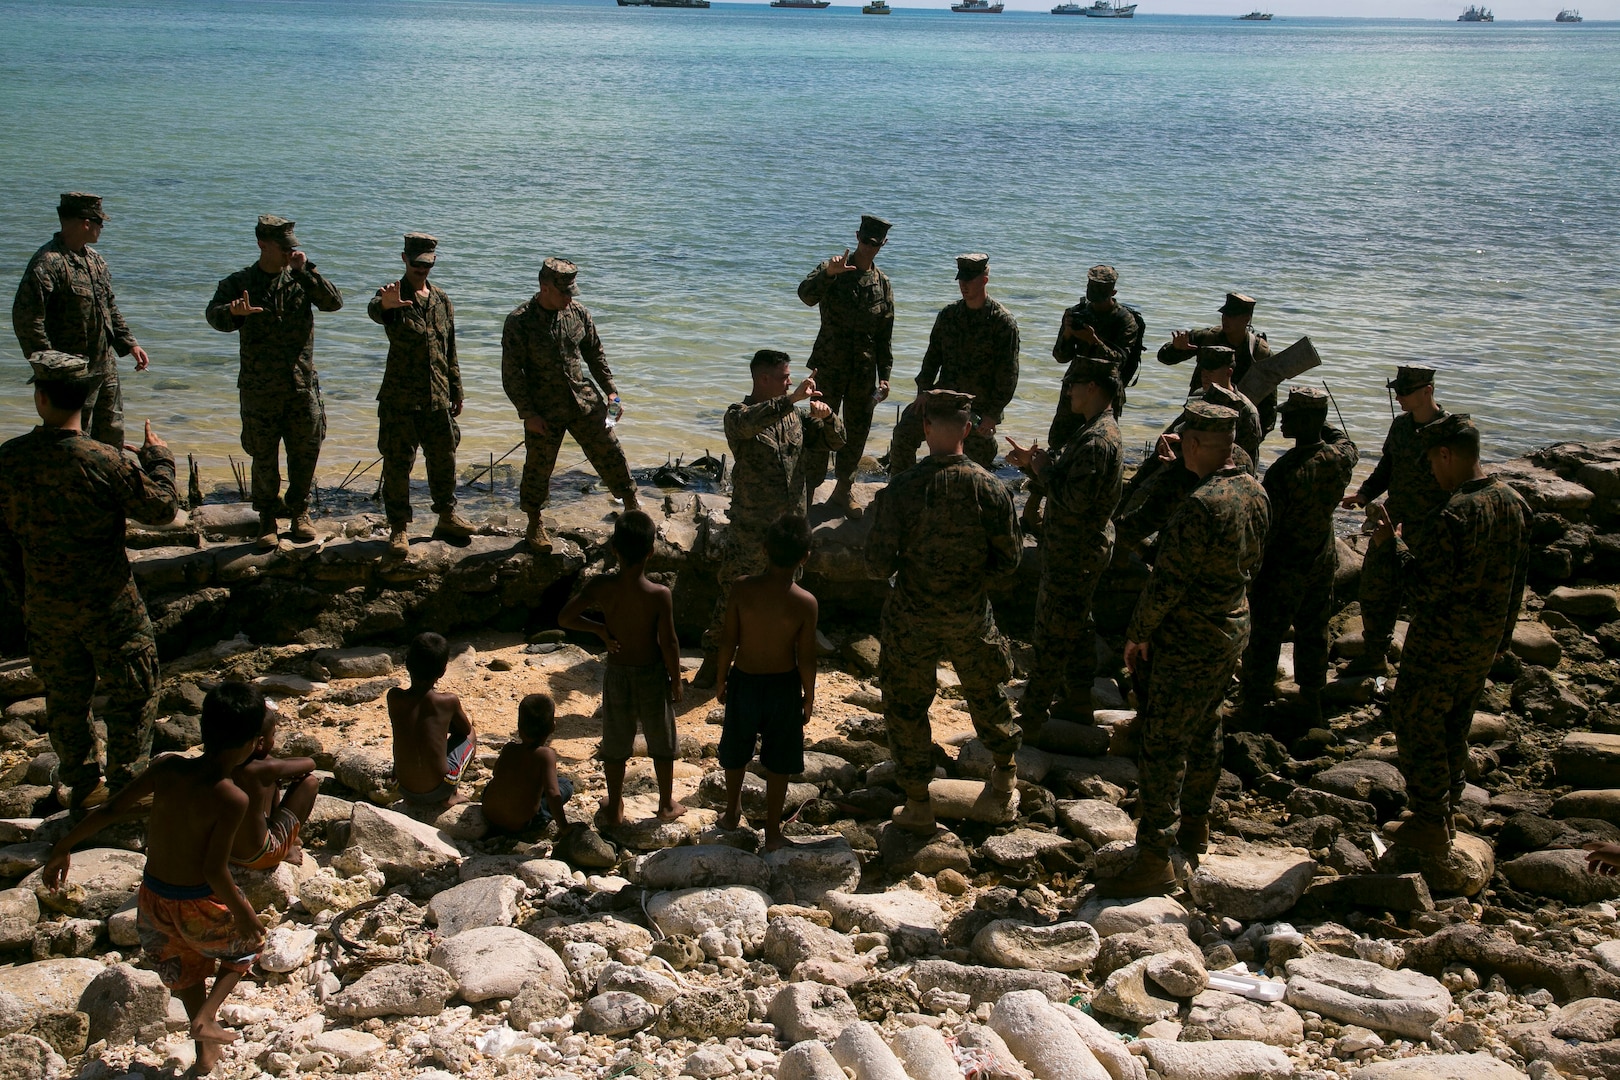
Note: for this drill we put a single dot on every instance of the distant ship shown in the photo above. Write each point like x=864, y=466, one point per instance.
x=877, y=7
x=665, y=3
x=815, y=4
x=1568, y=15
x=1254, y=16
x=979, y=7
x=1102, y=9
x=1476, y=14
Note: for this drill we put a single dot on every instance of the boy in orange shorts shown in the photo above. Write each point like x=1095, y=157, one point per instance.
x=269, y=833
x=192, y=919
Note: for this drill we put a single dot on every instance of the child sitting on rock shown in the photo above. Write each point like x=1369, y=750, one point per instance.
x=770, y=632
x=526, y=789
x=192, y=919
x=642, y=676
x=433, y=739
x=269, y=833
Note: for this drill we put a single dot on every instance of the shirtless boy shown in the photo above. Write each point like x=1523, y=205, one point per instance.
x=643, y=673
x=526, y=789
x=433, y=739
x=770, y=635
x=269, y=832
x=192, y=919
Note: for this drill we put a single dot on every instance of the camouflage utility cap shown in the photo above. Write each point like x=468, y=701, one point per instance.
x=1410, y=378
x=51, y=366
x=1238, y=304
x=276, y=230
x=1220, y=395
x=1215, y=357
x=82, y=205
x=1101, y=279
x=1304, y=398
x=421, y=249
x=1092, y=369
x=947, y=405
x=873, y=230
x=1449, y=429
x=562, y=273
x=972, y=266
x=1202, y=416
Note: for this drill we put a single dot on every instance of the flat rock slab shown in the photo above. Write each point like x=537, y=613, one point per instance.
x=1386, y=892
x=1112, y=917
x=1252, y=886
x=1588, y=759
x=1366, y=779
x=911, y=920
x=1439, y=1067
x=984, y=984
x=1230, y=1016
x=496, y=962
x=692, y=911
x=1594, y=604
x=100, y=881
x=699, y=866
x=1068, y=947
x=644, y=831
x=1096, y=822
x=975, y=760
x=1600, y=803
x=1369, y=994
x=487, y=901
x=1561, y=875
x=402, y=847
x=1022, y=847
x=1220, y=1060
x=971, y=800
x=803, y=871
x=28, y=991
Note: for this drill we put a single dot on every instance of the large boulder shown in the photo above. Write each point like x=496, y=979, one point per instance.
x=982, y=984
x=488, y=901
x=1112, y=917
x=1461, y=871
x=1367, y=780
x=1589, y=759
x=24, y=1057
x=1259, y=884
x=396, y=990
x=1561, y=875
x=1439, y=1067
x=806, y=1010
x=805, y=871
x=29, y=991
x=496, y=962
x=692, y=911
x=1216, y=1060
x=401, y=847
x=615, y=1014
x=122, y=1002
x=1362, y=992
x=99, y=882
x=705, y=1014
x=911, y=920
x=1096, y=821
x=1583, y=1039
x=971, y=800
x=1229, y=1016
x=1068, y=947
x=1043, y=1039
x=790, y=941
x=700, y=866
x=368, y=772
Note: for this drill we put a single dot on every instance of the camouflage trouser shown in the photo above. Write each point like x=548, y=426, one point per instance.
x=1382, y=587
x=851, y=392
x=744, y=556
x=601, y=448
x=399, y=433
x=72, y=649
x=1431, y=710
x=1065, y=639
x=912, y=649
x=1180, y=763
x=103, y=415
x=1301, y=597
x=297, y=418
x=908, y=435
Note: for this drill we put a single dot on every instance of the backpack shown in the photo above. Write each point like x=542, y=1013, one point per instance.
x=1132, y=367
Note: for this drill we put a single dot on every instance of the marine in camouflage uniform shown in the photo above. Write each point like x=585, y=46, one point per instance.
x=1467, y=582
x=1083, y=483
x=65, y=303
x=1414, y=494
x=853, y=355
x=420, y=396
x=64, y=498
x=1190, y=625
x=1235, y=332
x=1295, y=584
x=1097, y=328
x=973, y=348
x=947, y=529
x=545, y=342
x=771, y=436
x=271, y=305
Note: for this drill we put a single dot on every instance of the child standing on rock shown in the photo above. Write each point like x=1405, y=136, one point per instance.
x=526, y=789
x=642, y=679
x=269, y=832
x=770, y=633
x=192, y=919
x=433, y=738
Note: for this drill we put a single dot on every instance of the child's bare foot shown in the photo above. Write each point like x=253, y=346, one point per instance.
x=731, y=819
x=775, y=842
x=211, y=1032
x=207, y=1056
x=295, y=855
x=671, y=812
x=455, y=800
x=610, y=816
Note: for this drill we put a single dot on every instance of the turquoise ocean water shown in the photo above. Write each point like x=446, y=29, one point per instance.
x=1397, y=190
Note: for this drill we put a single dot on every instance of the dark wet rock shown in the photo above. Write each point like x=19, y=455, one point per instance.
x=1492, y=952
x=1545, y=701
x=1368, y=780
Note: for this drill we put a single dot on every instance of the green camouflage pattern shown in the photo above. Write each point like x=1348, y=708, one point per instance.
x=296, y=418
x=1155, y=493
x=1414, y=494
x=65, y=302
x=1467, y=583
x=972, y=351
x=1295, y=584
x=1083, y=484
x=948, y=532
x=1116, y=341
x=399, y=434
x=1194, y=616
x=1254, y=347
x=853, y=351
x=421, y=384
x=64, y=500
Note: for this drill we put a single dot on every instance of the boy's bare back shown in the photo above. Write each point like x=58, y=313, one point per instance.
x=634, y=610
x=776, y=618
x=524, y=773
x=191, y=802
x=422, y=723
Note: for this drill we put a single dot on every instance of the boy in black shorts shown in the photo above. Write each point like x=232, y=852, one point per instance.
x=770, y=634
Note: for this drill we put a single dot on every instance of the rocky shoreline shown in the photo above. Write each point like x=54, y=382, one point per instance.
x=426, y=948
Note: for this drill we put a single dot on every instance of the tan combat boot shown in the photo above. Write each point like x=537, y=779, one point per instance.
x=538, y=539
x=917, y=816
x=267, y=531
x=1150, y=874
x=1421, y=835
x=452, y=526
x=399, y=541
x=1193, y=837
x=842, y=500
x=303, y=529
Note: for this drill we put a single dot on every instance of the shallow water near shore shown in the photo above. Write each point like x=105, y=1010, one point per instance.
x=1397, y=190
